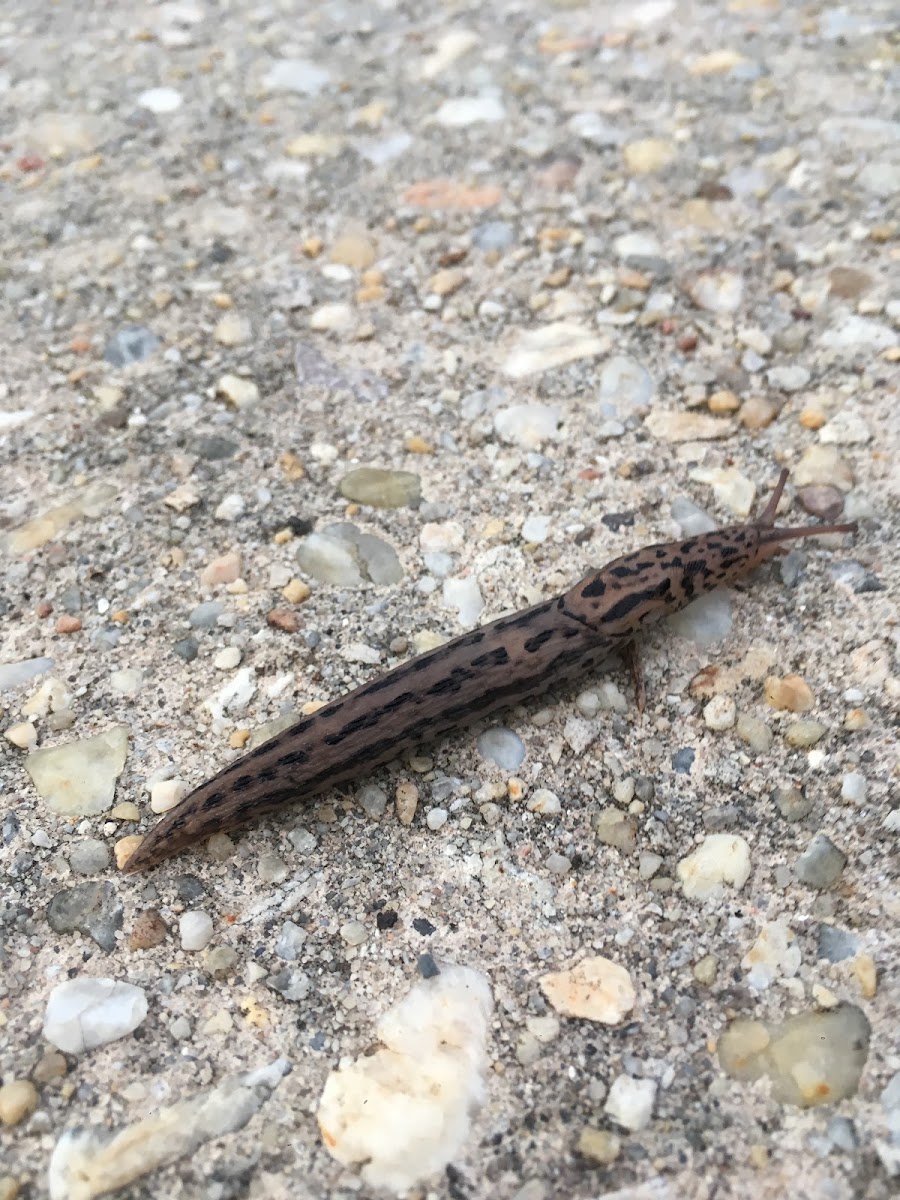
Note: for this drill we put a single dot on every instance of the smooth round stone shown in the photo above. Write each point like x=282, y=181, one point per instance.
x=187, y=649
x=227, y=659
x=804, y=734
x=160, y=100
x=89, y=857
x=465, y=596
x=557, y=864
x=205, y=616
x=382, y=488
x=232, y=507
x=196, y=930
x=13, y=675
x=85, y=1013
x=535, y=529
x=792, y=803
x=502, y=747
x=754, y=732
x=822, y=500
x=298, y=75
x=436, y=818
x=626, y=386
x=544, y=802
x=18, y=1100
x=718, y=291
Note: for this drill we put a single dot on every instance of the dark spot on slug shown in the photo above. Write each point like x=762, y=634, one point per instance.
x=595, y=588
x=294, y=758
x=538, y=640
x=238, y=785
x=493, y=658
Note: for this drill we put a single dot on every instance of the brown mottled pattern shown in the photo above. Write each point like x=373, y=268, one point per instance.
x=498, y=665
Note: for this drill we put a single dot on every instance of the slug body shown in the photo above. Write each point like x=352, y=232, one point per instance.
x=497, y=665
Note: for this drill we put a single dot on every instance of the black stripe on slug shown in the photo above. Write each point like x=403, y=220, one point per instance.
x=240, y=784
x=539, y=639
x=294, y=758
x=493, y=658
x=626, y=604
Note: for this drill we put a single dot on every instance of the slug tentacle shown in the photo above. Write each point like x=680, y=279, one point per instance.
x=498, y=665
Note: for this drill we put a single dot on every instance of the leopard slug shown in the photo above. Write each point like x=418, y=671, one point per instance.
x=500, y=664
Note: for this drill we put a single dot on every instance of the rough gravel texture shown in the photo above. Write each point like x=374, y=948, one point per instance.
x=569, y=264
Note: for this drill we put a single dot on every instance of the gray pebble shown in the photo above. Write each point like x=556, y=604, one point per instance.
x=821, y=863
x=89, y=856
x=493, y=235
x=93, y=909
x=372, y=800
x=130, y=345
x=557, y=864
x=302, y=840
x=189, y=887
x=290, y=941
x=291, y=984
x=503, y=747
x=835, y=944
x=187, y=649
x=205, y=615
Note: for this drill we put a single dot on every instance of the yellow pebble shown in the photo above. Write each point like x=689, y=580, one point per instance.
x=723, y=402
x=812, y=418
x=856, y=719
x=126, y=811
x=866, y=975
x=238, y=738
x=418, y=445
x=18, y=1100
x=282, y=536
x=296, y=591
x=222, y=300
x=125, y=847
x=516, y=788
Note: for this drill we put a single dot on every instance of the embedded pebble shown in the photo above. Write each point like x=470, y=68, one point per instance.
x=290, y=942
x=791, y=693
x=372, y=800
x=534, y=351
x=225, y=569
x=535, y=529
x=166, y=793
x=272, y=869
x=805, y=733
x=502, y=747
x=240, y=393
x=721, y=859
x=596, y=989
x=720, y=713
x=382, y=488
x=732, y=489
x=615, y=828
x=544, y=802
x=556, y=864
x=93, y=909
x=85, y=1013
x=718, y=291
x=774, y=955
x=127, y=682
x=23, y=735
x=89, y=856
x=13, y=675
x=86, y=1163
x=195, y=929
x=227, y=659
x=813, y=1058
x=79, y=778
x=231, y=508
x=686, y=426
x=402, y=1113
x=160, y=100
x=406, y=801
x=822, y=500
x=822, y=465
x=234, y=696
x=754, y=732
x=343, y=554
x=298, y=75
x=436, y=818
x=465, y=596
x=821, y=864
x=705, y=621
x=528, y=425
x=130, y=345
x=470, y=110
x=599, y=1145
x=354, y=933
x=626, y=387
x=18, y=1100
x=793, y=803
x=630, y=1102
x=148, y=930
x=854, y=788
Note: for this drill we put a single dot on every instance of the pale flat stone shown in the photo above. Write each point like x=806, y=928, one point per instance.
x=596, y=989
x=79, y=778
x=549, y=346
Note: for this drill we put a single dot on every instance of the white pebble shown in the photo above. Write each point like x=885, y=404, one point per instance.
x=166, y=793
x=23, y=735
x=232, y=507
x=196, y=930
x=227, y=659
x=503, y=747
x=721, y=858
x=436, y=817
x=630, y=1102
x=854, y=787
x=535, y=529
x=354, y=933
x=465, y=596
x=160, y=100
x=720, y=713
x=544, y=802
x=85, y=1013
x=588, y=704
x=612, y=697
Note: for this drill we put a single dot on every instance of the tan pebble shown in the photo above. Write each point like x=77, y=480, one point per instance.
x=312, y=247
x=148, y=930
x=823, y=464
x=50, y=1067
x=372, y=278
x=812, y=418
x=757, y=412
x=370, y=294
x=43, y=609
x=648, y=154
x=891, y=354
x=705, y=970
x=406, y=801
x=782, y=280
x=295, y=591
x=824, y=997
x=759, y=1156
x=68, y=624
x=856, y=719
x=220, y=847
x=353, y=250
x=125, y=847
x=599, y=1145
x=558, y=278
x=238, y=738
x=822, y=500
x=629, y=278
x=595, y=989
x=232, y=330
x=723, y=402
x=866, y=975
x=792, y=693
x=222, y=300
x=254, y=1014
x=119, y=616
x=418, y=445
x=23, y=735
x=327, y=814
x=126, y=811
x=516, y=788
x=311, y=706
x=283, y=536
x=283, y=619
x=447, y=281
x=291, y=466
x=224, y=569
x=18, y=1100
